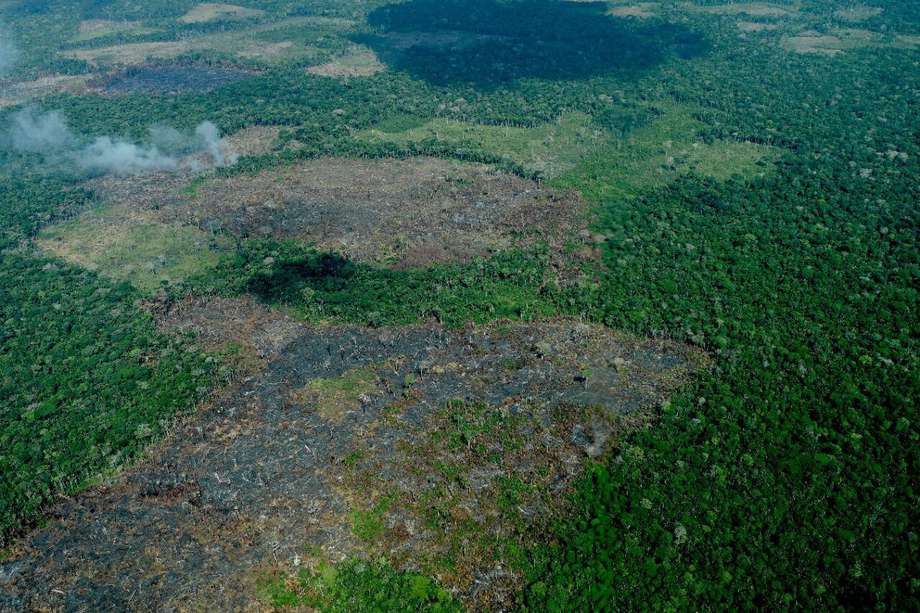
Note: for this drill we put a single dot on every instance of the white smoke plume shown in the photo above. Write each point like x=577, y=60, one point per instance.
x=48, y=134
x=36, y=133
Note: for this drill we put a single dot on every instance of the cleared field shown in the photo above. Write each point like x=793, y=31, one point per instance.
x=641, y=10
x=215, y=11
x=269, y=43
x=550, y=149
x=401, y=213
x=137, y=249
x=92, y=29
x=403, y=471
x=839, y=40
x=15, y=93
x=356, y=62
x=754, y=9
x=175, y=78
x=858, y=13
x=660, y=152
x=133, y=238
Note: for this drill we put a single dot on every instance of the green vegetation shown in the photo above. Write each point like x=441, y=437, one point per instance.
x=358, y=585
x=548, y=149
x=325, y=286
x=333, y=398
x=146, y=253
x=661, y=152
x=369, y=525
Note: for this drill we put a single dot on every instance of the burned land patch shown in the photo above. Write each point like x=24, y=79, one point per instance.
x=457, y=442
x=171, y=78
x=399, y=212
x=247, y=332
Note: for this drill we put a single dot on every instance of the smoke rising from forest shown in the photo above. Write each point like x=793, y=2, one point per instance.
x=48, y=134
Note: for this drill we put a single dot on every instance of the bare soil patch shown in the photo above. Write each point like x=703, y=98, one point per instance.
x=91, y=29
x=833, y=42
x=259, y=477
x=133, y=54
x=254, y=140
x=249, y=332
x=397, y=212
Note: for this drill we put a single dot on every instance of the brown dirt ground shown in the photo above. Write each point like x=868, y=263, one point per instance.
x=256, y=477
x=398, y=212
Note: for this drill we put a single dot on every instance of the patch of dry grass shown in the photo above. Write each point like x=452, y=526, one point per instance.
x=244, y=44
x=357, y=62
x=215, y=11
x=23, y=91
x=131, y=53
x=754, y=9
x=92, y=29
x=833, y=42
x=640, y=10
x=137, y=248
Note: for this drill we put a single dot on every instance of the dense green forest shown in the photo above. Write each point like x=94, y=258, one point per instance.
x=751, y=179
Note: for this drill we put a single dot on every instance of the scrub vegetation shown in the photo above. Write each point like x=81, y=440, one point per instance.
x=424, y=201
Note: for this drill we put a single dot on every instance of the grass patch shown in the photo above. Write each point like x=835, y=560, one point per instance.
x=356, y=585
x=358, y=61
x=662, y=151
x=101, y=28
x=369, y=525
x=215, y=11
x=549, y=149
x=334, y=398
x=146, y=253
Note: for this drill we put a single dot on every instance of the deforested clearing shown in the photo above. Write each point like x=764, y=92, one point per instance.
x=215, y=11
x=357, y=62
x=642, y=10
x=479, y=428
x=396, y=212
x=754, y=9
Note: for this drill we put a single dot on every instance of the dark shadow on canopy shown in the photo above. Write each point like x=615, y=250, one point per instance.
x=489, y=42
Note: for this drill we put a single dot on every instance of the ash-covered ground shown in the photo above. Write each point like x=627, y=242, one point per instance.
x=420, y=444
